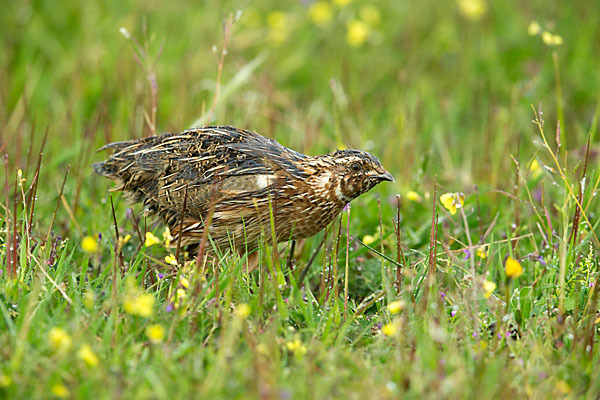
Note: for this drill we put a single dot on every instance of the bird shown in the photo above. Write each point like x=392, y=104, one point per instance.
x=233, y=186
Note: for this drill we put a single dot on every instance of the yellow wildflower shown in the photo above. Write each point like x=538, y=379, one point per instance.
x=90, y=245
x=296, y=346
x=551, y=39
x=356, y=33
x=242, y=310
x=170, y=259
x=156, y=333
x=534, y=28
x=535, y=168
x=167, y=237
x=151, y=240
x=60, y=340
x=368, y=239
x=60, y=390
x=489, y=287
x=452, y=201
x=184, y=282
x=597, y=321
x=413, y=196
x=390, y=329
x=87, y=355
x=563, y=387
x=395, y=306
x=513, y=268
x=481, y=253
x=20, y=176
x=140, y=304
x=5, y=380
x=320, y=13
x=279, y=27
x=472, y=9
x=370, y=14
x=341, y=3
x=123, y=241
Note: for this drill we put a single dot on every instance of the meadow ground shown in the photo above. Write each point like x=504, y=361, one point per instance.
x=414, y=294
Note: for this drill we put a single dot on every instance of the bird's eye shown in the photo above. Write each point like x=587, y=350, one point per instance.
x=355, y=167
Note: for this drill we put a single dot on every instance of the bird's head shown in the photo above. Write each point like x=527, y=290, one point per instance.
x=358, y=172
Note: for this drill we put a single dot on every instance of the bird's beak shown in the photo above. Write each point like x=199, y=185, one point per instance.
x=385, y=176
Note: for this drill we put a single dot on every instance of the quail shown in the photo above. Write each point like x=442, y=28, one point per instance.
x=239, y=183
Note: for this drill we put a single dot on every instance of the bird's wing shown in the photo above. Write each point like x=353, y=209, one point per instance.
x=207, y=162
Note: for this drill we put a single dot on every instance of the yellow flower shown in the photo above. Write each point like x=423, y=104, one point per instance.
x=279, y=27
x=242, y=310
x=151, y=239
x=390, y=329
x=156, y=333
x=413, y=196
x=481, y=253
x=534, y=28
x=170, y=259
x=20, y=176
x=356, y=33
x=341, y=3
x=184, y=282
x=60, y=340
x=535, y=168
x=368, y=239
x=551, y=39
x=123, y=241
x=563, y=387
x=370, y=14
x=60, y=390
x=140, y=304
x=395, y=306
x=167, y=237
x=87, y=355
x=5, y=380
x=452, y=201
x=472, y=9
x=513, y=268
x=489, y=287
x=296, y=346
x=320, y=13
x=90, y=245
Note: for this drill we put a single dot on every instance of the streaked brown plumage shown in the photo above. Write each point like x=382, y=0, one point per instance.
x=237, y=173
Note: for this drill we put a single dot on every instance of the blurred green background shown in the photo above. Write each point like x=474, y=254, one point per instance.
x=450, y=83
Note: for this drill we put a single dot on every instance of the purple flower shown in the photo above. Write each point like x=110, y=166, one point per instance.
x=170, y=307
x=499, y=336
x=347, y=207
x=161, y=275
x=541, y=260
x=453, y=313
x=474, y=334
x=467, y=254
x=99, y=237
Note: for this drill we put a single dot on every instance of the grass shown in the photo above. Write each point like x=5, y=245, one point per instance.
x=398, y=300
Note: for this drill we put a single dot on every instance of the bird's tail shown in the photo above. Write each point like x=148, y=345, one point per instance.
x=104, y=169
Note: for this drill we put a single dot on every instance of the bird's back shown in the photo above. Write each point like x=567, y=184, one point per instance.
x=222, y=168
